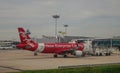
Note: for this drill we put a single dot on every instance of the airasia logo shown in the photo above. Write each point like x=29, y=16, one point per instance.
x=26, y=39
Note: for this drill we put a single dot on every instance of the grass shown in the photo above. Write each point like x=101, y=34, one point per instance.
x=95, y=69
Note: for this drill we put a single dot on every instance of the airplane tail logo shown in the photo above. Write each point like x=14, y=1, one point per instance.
x=26, y=41
x=24, y=37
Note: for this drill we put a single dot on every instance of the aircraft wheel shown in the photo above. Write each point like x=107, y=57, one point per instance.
x=83, y=55
x=100, y=54
x=65, y=56
x=35, y=54
x=97, y=54
x=55, y=55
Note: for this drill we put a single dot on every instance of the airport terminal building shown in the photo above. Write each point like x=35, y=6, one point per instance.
x=106, y=42
x=64, y=39
x=8, y=44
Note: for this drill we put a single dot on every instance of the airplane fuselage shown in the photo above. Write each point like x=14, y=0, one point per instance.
x=58, y=47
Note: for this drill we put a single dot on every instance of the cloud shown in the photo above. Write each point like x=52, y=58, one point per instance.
x=83, y=16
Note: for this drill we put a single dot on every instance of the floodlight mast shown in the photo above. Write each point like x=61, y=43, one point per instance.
x=56, y=17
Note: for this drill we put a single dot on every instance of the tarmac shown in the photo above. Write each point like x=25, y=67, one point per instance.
x=19, y=60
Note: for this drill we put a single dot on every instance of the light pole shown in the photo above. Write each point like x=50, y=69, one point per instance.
x=65, y=28
x=56, y=17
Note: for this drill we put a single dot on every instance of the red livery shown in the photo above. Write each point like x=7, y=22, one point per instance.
x=56, y=48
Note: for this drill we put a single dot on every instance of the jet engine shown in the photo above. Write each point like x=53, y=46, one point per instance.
x=78, y=53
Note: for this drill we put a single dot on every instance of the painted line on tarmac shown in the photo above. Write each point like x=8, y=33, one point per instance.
x=11, y=68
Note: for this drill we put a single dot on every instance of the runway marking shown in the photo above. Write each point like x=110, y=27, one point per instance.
x=7, y=67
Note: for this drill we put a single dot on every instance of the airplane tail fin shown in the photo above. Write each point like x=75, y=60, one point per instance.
x=26, y=42
x=24, y=36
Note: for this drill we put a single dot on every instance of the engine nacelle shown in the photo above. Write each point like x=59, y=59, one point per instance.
x=78, y=53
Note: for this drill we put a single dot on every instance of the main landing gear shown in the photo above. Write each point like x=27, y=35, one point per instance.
x=35, y=54
x=65, y=56
x=55, y=55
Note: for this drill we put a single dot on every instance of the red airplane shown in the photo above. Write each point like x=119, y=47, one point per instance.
x=64, y=49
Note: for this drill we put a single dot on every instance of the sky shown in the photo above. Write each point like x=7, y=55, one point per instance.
x=92, y=18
